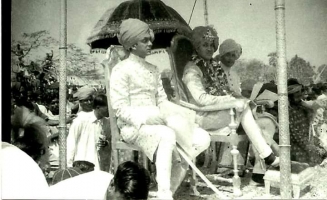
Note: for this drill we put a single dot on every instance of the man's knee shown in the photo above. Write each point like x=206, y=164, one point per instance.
x=268, y=128
x=201, y=139
x=168, y=135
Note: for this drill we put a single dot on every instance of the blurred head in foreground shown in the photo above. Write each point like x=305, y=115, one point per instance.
x=131, y=181
x=28, y=133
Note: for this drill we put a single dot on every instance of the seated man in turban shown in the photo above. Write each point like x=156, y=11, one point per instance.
x=136, y=94
x=209, y=83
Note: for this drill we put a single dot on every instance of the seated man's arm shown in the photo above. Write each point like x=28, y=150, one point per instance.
x=161, y=94
x=192, y=80
x=120, y=95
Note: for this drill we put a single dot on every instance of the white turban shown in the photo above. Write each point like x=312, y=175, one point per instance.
x=84, y=92
x=133, y=30
x=230, y=45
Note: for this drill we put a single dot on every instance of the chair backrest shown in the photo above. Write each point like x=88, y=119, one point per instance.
x=180, y=53
x=114, y=55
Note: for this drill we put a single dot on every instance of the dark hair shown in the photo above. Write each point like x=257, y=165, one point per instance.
x=100, y=100
x=292, y=81
x=317, y=89
x=28, y=133
x=132, y=181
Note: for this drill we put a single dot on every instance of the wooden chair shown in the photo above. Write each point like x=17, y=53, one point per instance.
x=117, y=142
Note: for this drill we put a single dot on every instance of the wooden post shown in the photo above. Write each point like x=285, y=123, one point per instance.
x=283, y=115
x=62, y=86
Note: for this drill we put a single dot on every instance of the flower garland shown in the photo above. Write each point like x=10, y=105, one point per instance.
x=215, y=79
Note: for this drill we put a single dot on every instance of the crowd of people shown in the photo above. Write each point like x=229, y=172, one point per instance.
x=138, y=97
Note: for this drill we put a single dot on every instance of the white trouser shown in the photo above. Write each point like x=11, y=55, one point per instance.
x=171, y=169
x=163, y=162
x=268, y=130
x=201, y=141
x=254, y=133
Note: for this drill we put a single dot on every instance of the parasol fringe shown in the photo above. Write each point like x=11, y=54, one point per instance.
x=155, y=30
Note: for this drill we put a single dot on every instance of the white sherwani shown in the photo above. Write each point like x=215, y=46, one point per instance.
x=136, y=92
x=194, y=82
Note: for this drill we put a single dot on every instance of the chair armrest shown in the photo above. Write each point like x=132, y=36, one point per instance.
x=265, y=102
x=215, y=107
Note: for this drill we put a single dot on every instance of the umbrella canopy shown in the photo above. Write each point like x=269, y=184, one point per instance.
x=163, y=20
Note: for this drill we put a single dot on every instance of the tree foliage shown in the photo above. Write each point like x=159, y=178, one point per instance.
x=321, y=75
x=273, y=59
x=254, y=69
x=35, y=46
x=297, y=68
x=301, y=70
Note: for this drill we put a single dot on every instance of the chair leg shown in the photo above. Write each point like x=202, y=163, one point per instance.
x=214, y=161
x=202, y=176
x=194, y=182
x=245, y=159
x=207, y=158
x=236, y=179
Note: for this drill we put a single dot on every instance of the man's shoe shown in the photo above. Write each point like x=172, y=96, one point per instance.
x=276, y=162
x=256, y=184
x=272, y=160
x=257, y=180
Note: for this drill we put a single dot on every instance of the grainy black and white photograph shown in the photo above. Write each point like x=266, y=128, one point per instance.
x=165, y=99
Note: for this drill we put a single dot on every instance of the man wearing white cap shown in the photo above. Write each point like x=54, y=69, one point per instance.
x=84, y=95
x=229, y=52
x=85, y=132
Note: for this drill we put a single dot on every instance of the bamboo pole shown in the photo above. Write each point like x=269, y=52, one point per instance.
x=283, y=115
x=205, y=6
x=62, y=85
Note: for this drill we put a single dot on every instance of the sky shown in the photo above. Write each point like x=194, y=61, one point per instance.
x=249, y=22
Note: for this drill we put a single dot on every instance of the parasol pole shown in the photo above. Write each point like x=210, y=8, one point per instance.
x=205, y=6
x=62, y=85
x=283, y=115
x=140, y=9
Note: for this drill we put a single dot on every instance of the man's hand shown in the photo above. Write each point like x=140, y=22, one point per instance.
x=240, y=104
x=70, y=118
x=102, y=141
x=156, y=120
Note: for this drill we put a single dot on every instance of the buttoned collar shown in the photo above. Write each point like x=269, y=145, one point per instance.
x=136, y=58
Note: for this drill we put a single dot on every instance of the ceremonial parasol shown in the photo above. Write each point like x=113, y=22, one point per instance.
x=163, y=20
